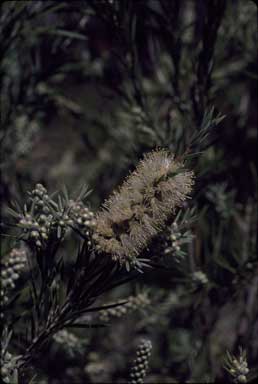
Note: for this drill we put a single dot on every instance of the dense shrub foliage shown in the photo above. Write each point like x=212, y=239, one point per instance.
x=129, y=191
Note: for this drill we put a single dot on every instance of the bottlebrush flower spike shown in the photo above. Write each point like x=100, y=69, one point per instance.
x=138, y=211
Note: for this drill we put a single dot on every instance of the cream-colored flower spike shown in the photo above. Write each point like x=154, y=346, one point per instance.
x=138, y=211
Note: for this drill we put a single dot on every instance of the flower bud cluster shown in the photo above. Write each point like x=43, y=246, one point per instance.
x=12, y=267
x=175, y=241
x=94, y=369
x=133, y=303
x=222, y=198
x=38, y=228
x=40, y=195
x=7, y=367
x=237, y=367
x=45, y=217
x=200, y=278
x=97, y=368
x=38, y=223
x=66, y=339
x=140, y=364
x=10, y=272
x=81, y=216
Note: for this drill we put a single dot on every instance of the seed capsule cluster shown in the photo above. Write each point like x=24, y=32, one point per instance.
x=141, y=363
x=133, y=303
